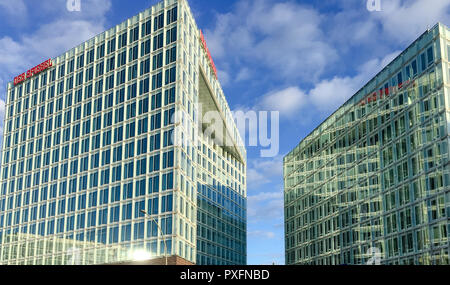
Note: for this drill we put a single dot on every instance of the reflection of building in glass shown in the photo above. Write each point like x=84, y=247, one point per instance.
x=65, y=249
x=88, y=145
x=375, y=174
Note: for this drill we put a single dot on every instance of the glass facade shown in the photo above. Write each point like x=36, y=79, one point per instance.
x=89, y=143
x=375, y=175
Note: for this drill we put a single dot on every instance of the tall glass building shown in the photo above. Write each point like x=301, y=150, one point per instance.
x=110, y=128
x=372, y=181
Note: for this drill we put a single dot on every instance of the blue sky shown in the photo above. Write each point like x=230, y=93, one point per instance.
x=301, y=58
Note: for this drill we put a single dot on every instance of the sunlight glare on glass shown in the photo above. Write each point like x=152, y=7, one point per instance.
x=141, y=255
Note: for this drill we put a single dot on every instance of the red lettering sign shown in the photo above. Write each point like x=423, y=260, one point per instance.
x=384, y=92
x=205, y=46
x=35, y=70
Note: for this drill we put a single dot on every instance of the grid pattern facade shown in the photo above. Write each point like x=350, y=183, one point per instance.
x=88, y=144
x=375, y=174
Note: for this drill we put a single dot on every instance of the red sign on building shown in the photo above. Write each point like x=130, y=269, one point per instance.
x=205, y=46
x=385, y=92
x=35, y=70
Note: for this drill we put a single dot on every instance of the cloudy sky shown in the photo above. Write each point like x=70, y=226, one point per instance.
x=301, y=58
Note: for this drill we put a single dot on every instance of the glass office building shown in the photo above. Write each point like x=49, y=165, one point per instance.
x=372, y=181
x=112, y=128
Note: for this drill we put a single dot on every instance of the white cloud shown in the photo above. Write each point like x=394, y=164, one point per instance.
x=329, y=94
x=326, y=95
x=296, y=42
x=255, y=178
x=264, y=196
x=261, y=234
x=262, y=171
x=284, y=37
x=14, y=8
x=2, y=108
x=265, y=206
x=287, y=101
x=223, y=76
x=244, y=74
x=323, y=57
x=406, y=20
x=398, y=22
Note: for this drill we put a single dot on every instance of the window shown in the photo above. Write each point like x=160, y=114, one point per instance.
x=79, y=78
x=169, y=96
x=171, y=55
x=142, y=126
x=122, y=58
x=145, y=66
x=109, y=82
x=132, y=91
x=120, y=96
x=126, y=211
x=158, y=22
x=131, y=130
x=154, y=162
x=89, y=74
x=167, y=203
x=117, y=154
x=157, y=61
x=167, y=183
x=153, y=185
x=169, y=116
x=80, y=61
x=119, y=115
x=171, y=35
x=157, y=81
x=90, y=56
x=99, y=87
x=423, y=63
x=430, y=56
x=110, y=64
x=101, y=51
x=133, y=53
x=99, y=69
x=122, y=40
x=168, y=138
x=70, y=68
x=168, y=159
x=111, y=45
x=170, y=75
x=145, y=47
x=414, y=67
x=132, y=72
x=144, y=86
x=139, y=227
x=131, y=110
x=155, y=142
x=158, y=42
x=141, y=167
x=142, y=146
x=155, y=122
x=146, y=28
x=172, y=15
x=143, y=106
x=134, y=34
x=120, y=77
